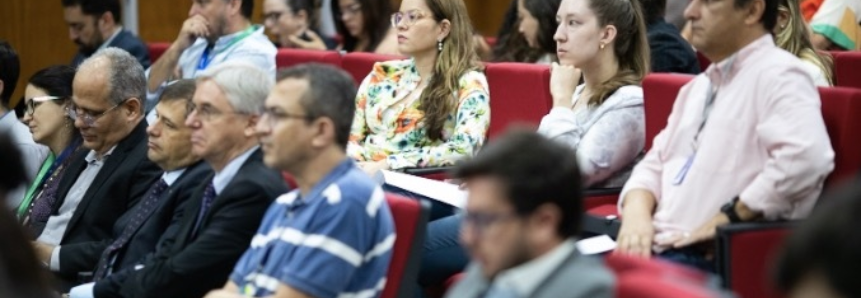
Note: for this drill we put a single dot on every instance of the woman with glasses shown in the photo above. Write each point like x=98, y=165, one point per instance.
x=426, y=111
x=50, y=117
x=364, y=26
x=294, y=23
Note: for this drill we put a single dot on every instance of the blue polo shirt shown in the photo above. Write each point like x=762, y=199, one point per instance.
x=336, y=242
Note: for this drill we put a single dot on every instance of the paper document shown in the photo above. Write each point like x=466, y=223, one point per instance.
x=596, y=245
x=441, y=191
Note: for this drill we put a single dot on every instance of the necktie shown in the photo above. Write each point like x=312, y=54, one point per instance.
x=141, y=213
x=208, y=198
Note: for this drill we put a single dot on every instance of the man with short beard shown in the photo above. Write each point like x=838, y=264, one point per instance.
x=95, y=25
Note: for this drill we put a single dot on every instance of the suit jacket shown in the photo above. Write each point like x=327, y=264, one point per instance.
x=125, y=176
x=162, y=223
x=127, y=41
x=578, y=276
x=669, y=51
x=191, y=264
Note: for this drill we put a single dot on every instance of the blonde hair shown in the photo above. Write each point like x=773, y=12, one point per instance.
x=457, y=57
x=795, y=39
x=630, y=46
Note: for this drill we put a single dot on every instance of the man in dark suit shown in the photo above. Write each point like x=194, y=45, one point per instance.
x=100, y=184
x=96, y=24
x=225, y=212
x=157, y=215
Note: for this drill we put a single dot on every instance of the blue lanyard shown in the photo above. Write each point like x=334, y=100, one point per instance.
x=206, y=58
x=59, y=160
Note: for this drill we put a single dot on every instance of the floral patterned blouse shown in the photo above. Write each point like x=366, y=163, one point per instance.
x=388, y=126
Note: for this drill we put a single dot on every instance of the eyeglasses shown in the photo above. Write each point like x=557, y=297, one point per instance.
x=480, y=221
x=206, y=112
x=35, y=102
x=89, y=117
x=352, y=9
x=409, y=17
x=272, y=116
x=272, y=16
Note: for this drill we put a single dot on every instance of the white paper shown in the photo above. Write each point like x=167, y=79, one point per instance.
x=596, y=245
x=441, y=191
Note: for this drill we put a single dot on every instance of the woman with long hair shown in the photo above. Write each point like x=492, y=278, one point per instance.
x=791, y=35
x=602, y=118
x=364, y=26
x=431, y=109
x=294, y=24
x=526, y=34
x=48, y=98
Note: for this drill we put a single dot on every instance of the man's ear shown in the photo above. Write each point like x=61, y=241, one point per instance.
x=324, y=132
x=133, y=108
x=251, y=127
x=755, y=10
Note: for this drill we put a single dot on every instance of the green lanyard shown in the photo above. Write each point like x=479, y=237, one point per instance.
x=46, y=165
x=207, y=57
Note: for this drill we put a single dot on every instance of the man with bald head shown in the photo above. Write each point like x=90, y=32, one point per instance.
x=103, y=182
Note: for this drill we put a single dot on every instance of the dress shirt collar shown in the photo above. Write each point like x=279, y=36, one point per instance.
x=525, y=278
x=226, y=175
x=718, y=73
x=117, y=31
x=92, y=156
x=170, y=177
x=228, y=40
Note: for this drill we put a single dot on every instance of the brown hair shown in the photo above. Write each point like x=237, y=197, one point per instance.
x=457, y=57
x=630, y=45
x=794, y=39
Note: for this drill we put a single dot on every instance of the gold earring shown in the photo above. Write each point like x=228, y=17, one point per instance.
x=601, y=46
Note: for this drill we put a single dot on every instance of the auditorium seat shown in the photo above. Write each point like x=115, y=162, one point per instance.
x=519, y=93
x=847, y=69
x=291, y=57
x=410, y=218
x=156, y=49
x=745, y=250
x=654, y=278
x=359, y=64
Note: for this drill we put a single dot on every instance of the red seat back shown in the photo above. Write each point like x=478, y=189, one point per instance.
x=156, y=49
x=359, y=64
x=519, y=92
x=410, y=218
x=291, y=57
x=647, y=278
x=704, y=62
x=659, y=93
x=841, y=108
x=847, y=69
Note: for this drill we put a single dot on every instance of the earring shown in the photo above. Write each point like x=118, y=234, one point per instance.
x=783, y=26
x=601, y=46
x=439, y=45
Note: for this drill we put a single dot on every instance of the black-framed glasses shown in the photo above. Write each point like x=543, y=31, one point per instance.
x=409, y=17
x=272, y=116
x=90, y=117
x=481, y=221
x=35, y=102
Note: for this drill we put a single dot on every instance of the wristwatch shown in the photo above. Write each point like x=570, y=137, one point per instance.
x=729, y=210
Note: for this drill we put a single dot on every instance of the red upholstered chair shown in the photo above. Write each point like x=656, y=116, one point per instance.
x=291, y=57
x=519, y=93
x=359, y=65
x=156, y=49
x=647, y=278
x=847, y=69
x=745, y=250
x=410, y=218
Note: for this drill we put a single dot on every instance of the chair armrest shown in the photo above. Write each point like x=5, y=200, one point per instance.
x=745, y=252
x=428, y=171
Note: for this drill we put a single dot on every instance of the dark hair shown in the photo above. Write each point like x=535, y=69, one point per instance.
x=331, y=93
x=180, y=90
x=55, y=80
x=828, y=242
x=545, y=12
x=97, y=7
x=511, y=46
x=769, y=13
x=375, y=20
x=631, y=47
x=311, y=8
x=653, y=10
x=13, y=174
x=247, y=8
x=10, y=69
x=534, y=171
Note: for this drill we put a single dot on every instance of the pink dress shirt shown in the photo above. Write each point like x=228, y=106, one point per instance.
x=764, y=141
